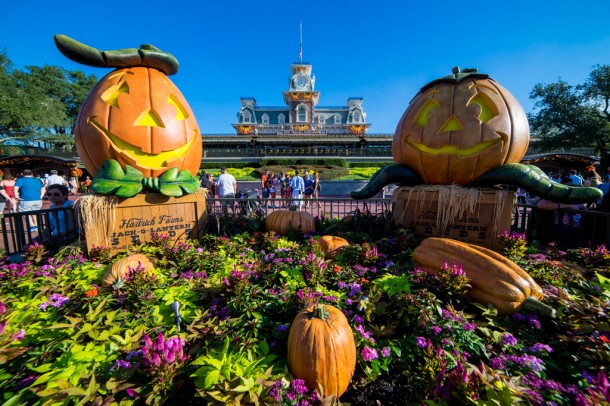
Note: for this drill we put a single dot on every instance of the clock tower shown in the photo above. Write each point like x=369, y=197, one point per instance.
x=301, y=97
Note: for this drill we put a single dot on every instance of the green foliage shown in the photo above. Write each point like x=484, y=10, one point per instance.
x=574, y=116
x=64, y=338
x=40, y=104
x=110, y=179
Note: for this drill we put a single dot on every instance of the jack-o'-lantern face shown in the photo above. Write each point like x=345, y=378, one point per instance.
x=138, y=117
x=455, y=131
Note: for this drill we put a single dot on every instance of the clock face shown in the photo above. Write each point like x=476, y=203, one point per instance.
x=301, y=82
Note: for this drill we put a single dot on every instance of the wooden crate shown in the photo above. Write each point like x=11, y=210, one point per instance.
x=421, y=208
x=132, y=221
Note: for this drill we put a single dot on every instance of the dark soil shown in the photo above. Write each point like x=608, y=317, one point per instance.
x=395, y=389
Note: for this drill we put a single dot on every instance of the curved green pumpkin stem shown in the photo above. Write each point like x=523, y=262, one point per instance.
x=147, y=56
x=320, y=312
x=536, y=182
x=532, y=305
x=401, y=175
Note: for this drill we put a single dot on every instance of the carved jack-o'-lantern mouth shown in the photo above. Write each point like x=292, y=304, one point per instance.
x=453, y=149
x=144, y=159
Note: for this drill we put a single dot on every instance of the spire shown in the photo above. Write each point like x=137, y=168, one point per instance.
x=301, y=42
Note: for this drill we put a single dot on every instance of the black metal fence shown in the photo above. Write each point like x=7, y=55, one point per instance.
x=569, y=228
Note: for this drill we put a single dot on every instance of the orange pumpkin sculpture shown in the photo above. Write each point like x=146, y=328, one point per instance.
x=321, y=349
x=135, y=119
x=138, y=117
x=456, y=130
x=468, y=130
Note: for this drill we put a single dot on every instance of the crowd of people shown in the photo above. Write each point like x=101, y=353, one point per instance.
x=281, y=190
x=27, y=192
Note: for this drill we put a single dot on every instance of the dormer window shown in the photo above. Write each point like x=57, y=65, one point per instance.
x=266, y=119
x=301, y=113
x=337, y=119
x=321, y=120
x=281, y=119
x=356, y=116
x=246, y=117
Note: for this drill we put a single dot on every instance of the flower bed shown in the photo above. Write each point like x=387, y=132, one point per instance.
x=65, y=338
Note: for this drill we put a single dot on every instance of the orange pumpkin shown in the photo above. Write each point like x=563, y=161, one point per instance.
x=138, y=117
x=281, y=220
x=459, y=127
x=77, y=172
x=330, y=244
x=321, y=349
x=121, y=267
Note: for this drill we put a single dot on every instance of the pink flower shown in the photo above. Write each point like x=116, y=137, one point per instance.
x=385, y=352
x=369, y=354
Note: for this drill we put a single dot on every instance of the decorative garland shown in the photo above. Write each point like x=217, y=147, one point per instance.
x=357, y=129
x=245, y=129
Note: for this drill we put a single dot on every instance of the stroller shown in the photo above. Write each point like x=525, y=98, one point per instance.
x=248, y=202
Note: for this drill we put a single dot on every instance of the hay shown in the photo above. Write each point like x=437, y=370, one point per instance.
x=97, y=211
x=453, y=203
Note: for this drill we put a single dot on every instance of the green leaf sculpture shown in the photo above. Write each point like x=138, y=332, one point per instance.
x=110, y=179
x=176, y=183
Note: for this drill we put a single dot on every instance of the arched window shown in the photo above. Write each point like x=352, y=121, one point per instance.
x=265, y=118
x=246, y=117
x=321, y=119
x=356, y=116
x=337, y=119
x=301, y=113
x=281, y=119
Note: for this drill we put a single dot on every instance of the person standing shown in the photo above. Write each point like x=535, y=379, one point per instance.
x=29, y=192
x=316, y=187
x=55, y=179
x=212, y=190
x=298, y=187
x=227, y=188
x=308, y=181
x=9, y=188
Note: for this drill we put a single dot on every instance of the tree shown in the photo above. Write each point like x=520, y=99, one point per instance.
x=40, y=104
x=574, y=116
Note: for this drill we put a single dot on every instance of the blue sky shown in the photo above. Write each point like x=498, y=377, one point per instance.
x=383, y=51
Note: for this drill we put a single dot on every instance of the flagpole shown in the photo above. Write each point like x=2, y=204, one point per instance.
x=301, y=41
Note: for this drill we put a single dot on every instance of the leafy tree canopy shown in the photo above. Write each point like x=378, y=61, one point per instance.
x=40, y=104
x=574, y=116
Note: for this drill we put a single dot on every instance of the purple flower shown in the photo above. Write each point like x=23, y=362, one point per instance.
x=369, y=354
x=358, y=319
x=508, y=339
x=2, y=308
x=540, y=347
x=497, y=363
x=469, y=326
x=18, y=335
x=282, y=327
x=421, y=342
x=436, y=330
x=385, y=352
x=132, y=393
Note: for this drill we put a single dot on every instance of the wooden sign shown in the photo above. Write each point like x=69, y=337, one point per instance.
x=117, y=223
x=470, y=215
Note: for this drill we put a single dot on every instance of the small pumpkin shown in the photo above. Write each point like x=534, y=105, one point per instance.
x=76, y=172
x=330, y=244
x=459, y=127
x=121, y=267
x=321, y=349
x=281, y=220
x=495, y=280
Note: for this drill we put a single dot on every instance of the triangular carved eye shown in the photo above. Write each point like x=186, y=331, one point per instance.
x=149, y=118
x=181, y=113
x=488, y=108
x=421, y=118
x=111, y=96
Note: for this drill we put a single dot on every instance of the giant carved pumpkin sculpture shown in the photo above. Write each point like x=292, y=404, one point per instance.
x=456, y=132
x=468, y=130
x=136, y=117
